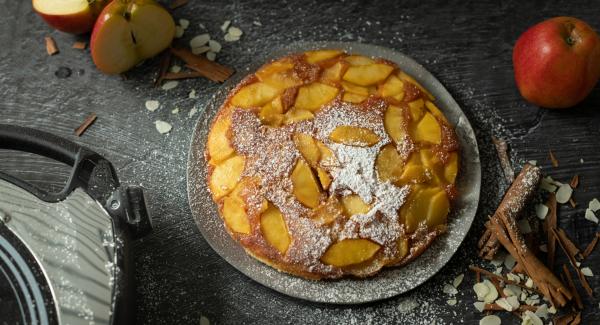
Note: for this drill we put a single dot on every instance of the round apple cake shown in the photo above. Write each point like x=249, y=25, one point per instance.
x=325, y=164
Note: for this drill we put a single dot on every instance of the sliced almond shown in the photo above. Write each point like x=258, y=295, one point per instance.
x=152, y=105
x=449, y=289
x=170, y=85
x=587, y=271
x=541, y=211
x=458, y=280
x=490, y=320
x=594, y=205
x=199, y=40
x=589, y=215
x=163, y=127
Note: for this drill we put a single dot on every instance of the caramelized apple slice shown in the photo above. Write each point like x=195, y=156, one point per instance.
x=234, y=210
x=389, y=164
x=269, y=69
x=254, y=95
x=433, y=166
x=272, y=113
x=321, y=55
x=413, y=171
x=327, y=212
x=354, y=205
x=306, y=188
x=352, y=88
x=308, y=148
x=295, y=115
x=416, y=109
x=350, y=252
x=323, y=178
x=394, y=123
x=439, y=206
x=327, y=156
x=225, y=176
x=358, y=60
x=274, y=229
x=366, y=75
x=451, y=168
x=428, y=130
x=429, y=205
x=218, y=144
x=435, y=111
x=354, y=136
x=335, y=72
x=353, y=98
x=314, y=96
x=393, y=87
x=405, y=77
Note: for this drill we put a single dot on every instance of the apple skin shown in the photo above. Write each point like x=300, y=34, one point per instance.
x=557, y=62
x=78, y=23
x=128, y=32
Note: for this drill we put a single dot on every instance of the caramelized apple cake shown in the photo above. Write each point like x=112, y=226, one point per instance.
x=325, y=164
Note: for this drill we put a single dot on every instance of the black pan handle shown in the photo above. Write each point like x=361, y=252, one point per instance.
x=90, y=171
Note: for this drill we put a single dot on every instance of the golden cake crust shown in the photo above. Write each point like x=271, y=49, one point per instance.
x=325, y=164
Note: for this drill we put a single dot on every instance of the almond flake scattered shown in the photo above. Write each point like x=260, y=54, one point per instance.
x=225, y=25
x=200, y=50
x=498, y=270
x=230, y=38
x=587, y=271
x=507, y=292
x=451, y=302
x=192, y=112
x=524, y=226
x=170, y=85
x=449, y=289
x=211, y=56
x=458, y=280
x=175, y=111
x=589, y=215
x=490, y=320
x=152, y=105
x=529, y=283
x=184, y=23
x=509, y=261
x=542, y=311
x=492, y=292
x=199, y=40
x=192, y=94
x=234, y=31
x=481, y=290
x=175, y=69
x=502, y=302
x=564, y=193
x=541, y=211
x=513, y=277
x=513, y=301
x=514, y=288
x=201, y=25
x=546, y=185
x=163, y=127
x=214, y=46
x=594, y=205
x=552, y=310
x=529, y=318
x=179, y=31
x=257, y=23
x=523, y=296
x=479, y=305
x=204, y=321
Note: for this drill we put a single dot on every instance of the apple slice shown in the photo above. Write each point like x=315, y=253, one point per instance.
x=308, y=148
x=389, y=164
x=416, y=109
x=128, y=32
x=226, y=175
x=353, y=98
x=312, y=97
x=366, y=75
x=321, y=55
x=354, y=205
x=70, y=16
x=254, y=95
x=394, y=123
x=350, y=252
x=327, y=212
x=428, y=130
x=335, y=72
x=393, y=87
x=234, y=208
x=274, y=229
x=218, y=144
x=295, y=115
x=354, y=136
x=306, y=189
x=324, y=178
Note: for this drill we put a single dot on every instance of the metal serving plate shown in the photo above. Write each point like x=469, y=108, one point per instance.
x=389, y=282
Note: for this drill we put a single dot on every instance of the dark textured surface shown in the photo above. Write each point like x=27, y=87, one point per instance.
x=467, y=45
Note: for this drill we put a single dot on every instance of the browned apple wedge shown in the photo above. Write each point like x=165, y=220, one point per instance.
x=306, y=189
x=350, y=252
x=428, y=130
x=354, y=205
x=321, y=55
x=312, y=97
x=327, y=212
x=393, y=87
x=416, y=109
x=354, y=136
x=217, y=143
x=395, y=124
x=254, y=95
x=366, y=75
x=274, y=229
x=335, y=72
x=234, y=209
x=308, y=148
x=225, y=176
x=389, y=164
x=323, y=178
x=358, y=60
x=296, y=115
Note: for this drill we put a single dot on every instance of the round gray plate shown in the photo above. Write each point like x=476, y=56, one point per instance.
x=391, y=281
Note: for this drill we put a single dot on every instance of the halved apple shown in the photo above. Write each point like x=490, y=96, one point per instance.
x=313, y=96
x=366, y=75
x=226, y=175
x=274, y=229
x=128, y=32
x=354, y=136
x=350, y=252
x=70, y=16
x=306, y=189
x=218, y=144
x=254, y=95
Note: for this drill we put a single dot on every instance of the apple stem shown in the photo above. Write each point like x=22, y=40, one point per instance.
x=129, y=9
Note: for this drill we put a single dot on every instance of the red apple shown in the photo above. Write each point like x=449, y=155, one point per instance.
x=128, y=32
x=71, y=16
x=557, y=62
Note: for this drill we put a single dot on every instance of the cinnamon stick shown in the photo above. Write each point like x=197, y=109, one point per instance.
x=522, y=308
x=163, y=68
x=549, y=224
x=207, y=68
x=85, y=125
x=590, y=247
x=51, y=47
x=572, y=203
x=571, y=258
x=182, y=75
x=491, y=275
x=571, y=248
x=574, y=181
x=79, y=45
x=553, y=159
x=572, y=287
x=502, y=150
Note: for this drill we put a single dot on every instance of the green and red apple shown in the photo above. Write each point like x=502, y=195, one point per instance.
x=128, y=32
x=70, y=16
x=557, y=62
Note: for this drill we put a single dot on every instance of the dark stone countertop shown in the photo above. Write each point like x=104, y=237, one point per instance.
x=466, y=44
